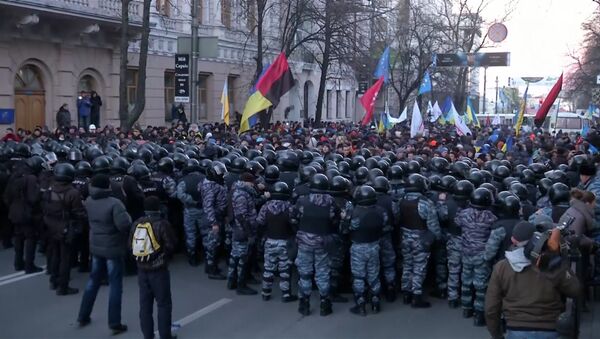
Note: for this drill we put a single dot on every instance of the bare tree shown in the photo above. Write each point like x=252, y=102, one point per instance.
x=129, y=117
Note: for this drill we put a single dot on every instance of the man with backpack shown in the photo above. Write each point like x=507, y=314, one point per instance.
x=64, y=216
x=153, y=242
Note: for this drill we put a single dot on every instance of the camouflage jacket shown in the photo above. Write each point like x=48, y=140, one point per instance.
x=214, y=201
x=476, y=226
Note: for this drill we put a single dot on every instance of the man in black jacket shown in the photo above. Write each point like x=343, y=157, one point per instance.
x=64, y=216
x=109, y=227
x=153, y=273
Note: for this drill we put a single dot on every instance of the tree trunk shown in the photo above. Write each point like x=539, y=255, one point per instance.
x=324, y=64
x=261, y=5
x=140, y=102
x=124, y=45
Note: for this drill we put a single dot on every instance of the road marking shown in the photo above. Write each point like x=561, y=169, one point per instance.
x=10, y=276
x=20, y=277
x=198, y=314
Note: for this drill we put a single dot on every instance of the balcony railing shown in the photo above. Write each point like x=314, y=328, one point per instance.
x=100, y=8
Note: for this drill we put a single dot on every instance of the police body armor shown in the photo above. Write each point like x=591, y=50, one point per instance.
x=81, y=184
x=230, y=179
x=370, y=222
x=397, y=191
x=528, y=209
x=192, y=181
x=289, y=178
x=116, y=185
x=533, y=193
x=158, y=179
x=508, y=225
x=278, y=226
x=300, y=191
x=385, y=201
x=409, y=209
x=558, y=211
x=449, y=224
x=315, y=219
x=149, y=188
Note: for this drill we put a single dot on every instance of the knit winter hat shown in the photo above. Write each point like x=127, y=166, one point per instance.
x=101, y=181
x=522, y=233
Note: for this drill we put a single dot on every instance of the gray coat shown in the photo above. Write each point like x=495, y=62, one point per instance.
x=109, y=224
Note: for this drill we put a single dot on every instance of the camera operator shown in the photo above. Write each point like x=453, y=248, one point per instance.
x=530, y=299
x=580, y=217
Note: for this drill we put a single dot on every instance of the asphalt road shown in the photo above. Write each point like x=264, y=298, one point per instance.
x=206, y=309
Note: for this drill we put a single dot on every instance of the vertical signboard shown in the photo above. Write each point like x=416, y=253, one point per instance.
x=182, y=78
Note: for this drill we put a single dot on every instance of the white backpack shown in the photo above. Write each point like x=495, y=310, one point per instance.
x=144, y=243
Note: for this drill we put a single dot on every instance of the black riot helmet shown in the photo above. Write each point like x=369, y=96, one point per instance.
x=306, y=173
x=519, y=169
x=365, y=196
x=501, y=172
x=193, y=165
x=439, y=165
x=544, y=186
x=119, y=165
x=306, y=157
x=481, y=198
x=528, y=177
x=166, y=165
x=519, y=190
x=371, y=163
x=139, y=171
x=563, y=167
x=205, y=164
x=344, y=168
x=288, y=161
x=538, y=169
x=357, y=162
x=332, y=172
x=101, y=165
x=510, y=206
x=557, y=176
x=339, y=184
x=413, y=167
x=559, y=193
x=463, y=189
x=361, y=175
x=271, y=156
x=460, y=170
x=435, y=182
x=22, y=150
x=84, y=169
x=280, y=191
x=396, y=174
x=508, y=181
x=254, y=167
x=180, y=160
x=448, y=183
x=145, y=154
x=271, y=174
x=490, y=187
x=416, y=183
x=374, y=173
x=383, y=165
x=64, y=172
x=381, y=184
x=217, y=172
x=319, y=183
x=75, y=155
x=238, y=164
x=577, y=161
x=476, y=178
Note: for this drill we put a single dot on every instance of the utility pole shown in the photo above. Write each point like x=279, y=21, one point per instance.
x=194, y=66
x=484, y=88
x=496, y=102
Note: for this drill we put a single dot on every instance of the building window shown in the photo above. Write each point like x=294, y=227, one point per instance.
x=338, y=104
x=226, y=13
x=199, y=12
x=132, y=81
x=328, y=104
x=347, y=104
x=251, y=15
x=203, y=96
x=169, y=94
x=163, y=7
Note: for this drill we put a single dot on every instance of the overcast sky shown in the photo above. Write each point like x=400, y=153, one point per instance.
x=541, y=34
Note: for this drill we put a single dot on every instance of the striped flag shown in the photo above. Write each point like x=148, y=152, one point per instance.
x=225, y=103
x=521, y=113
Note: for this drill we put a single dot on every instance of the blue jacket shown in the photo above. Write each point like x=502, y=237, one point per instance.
x=84, y=107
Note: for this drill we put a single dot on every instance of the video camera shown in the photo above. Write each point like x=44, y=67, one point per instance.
x=552, y=244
